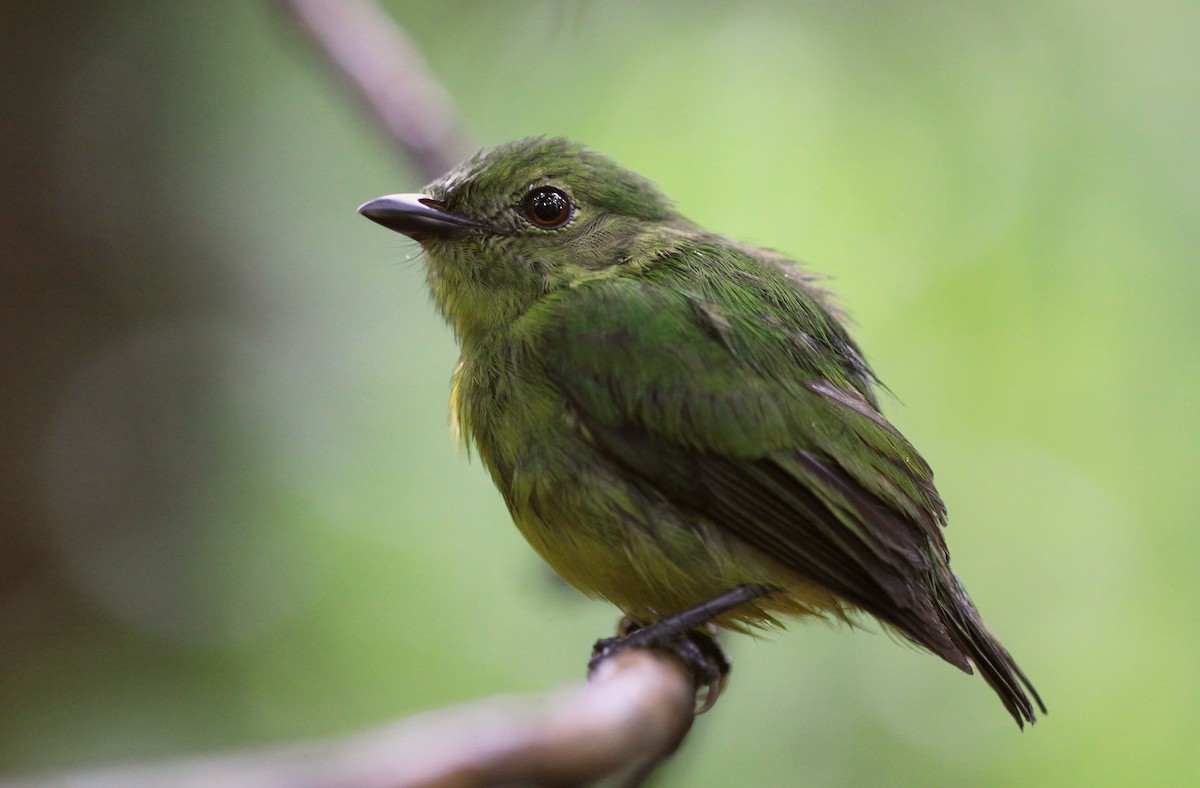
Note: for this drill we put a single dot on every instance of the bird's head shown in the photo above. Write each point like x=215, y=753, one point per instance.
x=523, y=219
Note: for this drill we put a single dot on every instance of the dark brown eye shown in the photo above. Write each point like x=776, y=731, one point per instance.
x=548, y=207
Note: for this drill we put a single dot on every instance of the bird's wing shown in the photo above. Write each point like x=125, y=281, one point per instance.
x=742, y=405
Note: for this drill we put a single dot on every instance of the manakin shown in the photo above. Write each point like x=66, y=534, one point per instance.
x=673, y=416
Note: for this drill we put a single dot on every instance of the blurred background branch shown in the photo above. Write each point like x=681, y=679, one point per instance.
x=378, y=62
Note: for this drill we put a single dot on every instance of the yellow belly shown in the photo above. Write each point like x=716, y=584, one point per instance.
x=651, y=573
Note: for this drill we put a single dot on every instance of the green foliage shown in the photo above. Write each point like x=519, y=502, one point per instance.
x=1005, y=196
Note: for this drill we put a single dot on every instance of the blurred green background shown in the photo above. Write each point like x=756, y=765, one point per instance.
x=230, y=510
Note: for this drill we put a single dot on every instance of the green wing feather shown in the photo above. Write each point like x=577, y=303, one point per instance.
x=743, y=399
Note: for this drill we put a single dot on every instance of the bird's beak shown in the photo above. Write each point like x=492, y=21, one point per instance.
x=417, y=216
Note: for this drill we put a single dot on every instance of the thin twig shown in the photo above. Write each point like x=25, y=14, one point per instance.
x=380, y=64
x=630, y=715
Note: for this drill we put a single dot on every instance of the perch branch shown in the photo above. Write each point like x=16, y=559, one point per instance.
x=630, y=715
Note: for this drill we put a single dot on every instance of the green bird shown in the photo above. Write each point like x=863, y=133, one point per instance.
x=674, y=417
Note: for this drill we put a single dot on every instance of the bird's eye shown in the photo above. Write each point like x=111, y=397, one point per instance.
x=548, y=207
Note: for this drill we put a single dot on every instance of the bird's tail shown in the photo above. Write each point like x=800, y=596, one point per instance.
x=999, y=670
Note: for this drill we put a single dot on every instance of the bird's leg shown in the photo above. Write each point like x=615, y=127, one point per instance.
x=689, y=635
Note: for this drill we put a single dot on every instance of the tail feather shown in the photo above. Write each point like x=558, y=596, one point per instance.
x=995, y=664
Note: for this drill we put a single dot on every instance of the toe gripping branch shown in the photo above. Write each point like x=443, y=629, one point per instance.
x=689, y=636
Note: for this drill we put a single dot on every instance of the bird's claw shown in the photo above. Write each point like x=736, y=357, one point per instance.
x=697, y=649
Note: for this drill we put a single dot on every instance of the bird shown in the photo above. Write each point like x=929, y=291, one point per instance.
x=677, y=421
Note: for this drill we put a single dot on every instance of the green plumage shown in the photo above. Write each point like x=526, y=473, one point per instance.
x=670, y=414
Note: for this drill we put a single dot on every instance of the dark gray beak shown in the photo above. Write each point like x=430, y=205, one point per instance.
x=417, y=216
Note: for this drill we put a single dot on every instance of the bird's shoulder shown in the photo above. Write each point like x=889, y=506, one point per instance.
x=719, y=351
x=708, y=319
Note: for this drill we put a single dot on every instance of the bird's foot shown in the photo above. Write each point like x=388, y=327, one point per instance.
x=697, y=650
x=689, y=636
